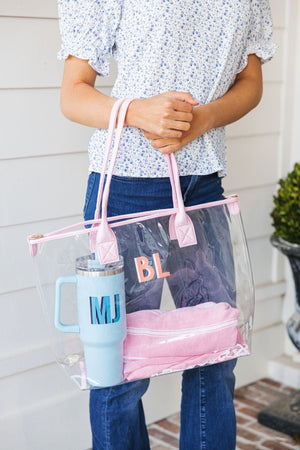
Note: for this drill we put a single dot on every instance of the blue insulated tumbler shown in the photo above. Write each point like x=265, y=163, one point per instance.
x=101, y=317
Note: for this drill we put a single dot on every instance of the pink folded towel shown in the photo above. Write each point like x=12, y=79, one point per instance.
x=165, y=341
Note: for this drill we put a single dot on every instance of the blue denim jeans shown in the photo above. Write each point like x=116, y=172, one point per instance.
x=207, y=411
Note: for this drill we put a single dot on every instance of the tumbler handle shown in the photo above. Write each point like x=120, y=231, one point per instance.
x=73, y=328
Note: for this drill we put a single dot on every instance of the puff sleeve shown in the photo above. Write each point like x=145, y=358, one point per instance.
x=88, y=30
x=260, y=30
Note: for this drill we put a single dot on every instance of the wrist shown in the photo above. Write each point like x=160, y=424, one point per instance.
x=211, y=112
x=133, y=115
x=205, y=118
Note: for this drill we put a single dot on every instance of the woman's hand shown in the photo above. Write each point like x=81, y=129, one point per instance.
x=167, y=115
x=242, y=97
x=200, y=124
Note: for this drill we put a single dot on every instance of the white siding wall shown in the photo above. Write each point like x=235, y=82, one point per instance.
x=43, y=172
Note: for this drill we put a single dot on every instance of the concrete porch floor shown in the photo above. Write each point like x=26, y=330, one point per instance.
x=249, y=400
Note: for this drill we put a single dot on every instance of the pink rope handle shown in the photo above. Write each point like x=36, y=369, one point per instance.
x=172, y=181
x=110, y=134
x=119, y=130
x=105, y=242
x=180, y=225
x=172, y=230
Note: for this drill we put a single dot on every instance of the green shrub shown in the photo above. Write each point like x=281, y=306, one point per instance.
x=286, y=212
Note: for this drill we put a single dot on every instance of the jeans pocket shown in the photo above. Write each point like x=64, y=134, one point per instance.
x=89, y=191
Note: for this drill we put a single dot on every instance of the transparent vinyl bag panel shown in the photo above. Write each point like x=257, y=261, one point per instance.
x=107, y=325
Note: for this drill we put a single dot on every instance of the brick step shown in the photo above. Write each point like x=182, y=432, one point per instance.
x=249, y=400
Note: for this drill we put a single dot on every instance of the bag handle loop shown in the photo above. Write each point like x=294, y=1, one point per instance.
x=110, y=133
x=104, y=242
x=180, y=226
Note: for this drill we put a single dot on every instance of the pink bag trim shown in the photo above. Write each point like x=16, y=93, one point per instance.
x=33, y=240
x=126, y=219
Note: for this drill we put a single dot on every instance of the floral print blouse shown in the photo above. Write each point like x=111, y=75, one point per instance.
x=197, y=46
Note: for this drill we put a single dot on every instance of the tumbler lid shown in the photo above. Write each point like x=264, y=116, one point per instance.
x=89, y=266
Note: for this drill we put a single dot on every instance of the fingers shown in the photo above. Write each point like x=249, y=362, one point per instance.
x=169, y=133
x=164, y=145
x=182, y=106
x=151, y=136
x=160, y=143
x=177, y=125
x=183, y=96
x=172, y=134
x=180, y=116
x=177, y=115
x=184, y=116
x=165, y=115
x=169, y=129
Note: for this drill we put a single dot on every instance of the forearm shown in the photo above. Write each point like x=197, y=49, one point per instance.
x=84, y=104
x=244, y=95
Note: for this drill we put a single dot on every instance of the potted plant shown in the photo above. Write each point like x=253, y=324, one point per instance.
x=286, y=238
x=283, y=415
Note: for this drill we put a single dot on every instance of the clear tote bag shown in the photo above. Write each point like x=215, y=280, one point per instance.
x=101, y=283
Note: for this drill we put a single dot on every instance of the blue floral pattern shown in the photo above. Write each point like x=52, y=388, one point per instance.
x=197, y=46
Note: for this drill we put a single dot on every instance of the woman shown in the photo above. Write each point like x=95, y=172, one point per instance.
x=193, y=67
